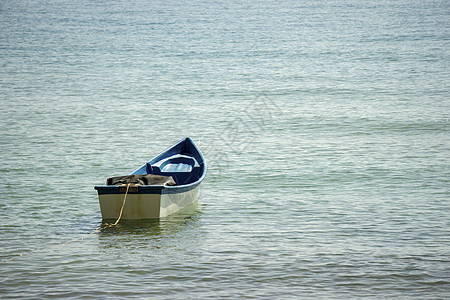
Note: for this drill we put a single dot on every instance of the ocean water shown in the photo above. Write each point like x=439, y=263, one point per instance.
x=325, y=125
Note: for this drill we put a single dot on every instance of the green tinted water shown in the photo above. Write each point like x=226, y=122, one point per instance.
x=325, y=127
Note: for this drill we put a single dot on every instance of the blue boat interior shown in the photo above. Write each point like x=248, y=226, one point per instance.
x=183, y=162
x=184, y=169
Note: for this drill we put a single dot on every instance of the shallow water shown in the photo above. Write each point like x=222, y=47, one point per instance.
x=325, y=127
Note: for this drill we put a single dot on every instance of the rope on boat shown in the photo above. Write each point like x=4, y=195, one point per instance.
x=121, y=210
x=82, y=238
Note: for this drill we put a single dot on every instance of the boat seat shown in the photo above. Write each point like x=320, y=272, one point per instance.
x=183, y=168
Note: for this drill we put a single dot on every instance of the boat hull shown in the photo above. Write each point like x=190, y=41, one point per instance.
x=146, y=206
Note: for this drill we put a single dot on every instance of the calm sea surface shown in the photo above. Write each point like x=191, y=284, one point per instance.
x=325, y=125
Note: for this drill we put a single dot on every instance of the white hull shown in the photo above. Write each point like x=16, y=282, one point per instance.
x=145, y=206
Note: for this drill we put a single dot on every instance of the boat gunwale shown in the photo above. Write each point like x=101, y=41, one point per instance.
x=148, y=189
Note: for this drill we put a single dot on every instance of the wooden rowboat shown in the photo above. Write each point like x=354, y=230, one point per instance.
x=158, y=188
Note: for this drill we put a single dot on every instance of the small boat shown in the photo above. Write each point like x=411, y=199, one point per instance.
x=158, y=188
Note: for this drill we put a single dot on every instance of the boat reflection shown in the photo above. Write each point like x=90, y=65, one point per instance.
x=184, y=218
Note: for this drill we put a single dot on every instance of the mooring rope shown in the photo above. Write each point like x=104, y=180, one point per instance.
x=121, y=209
x=82, y=238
